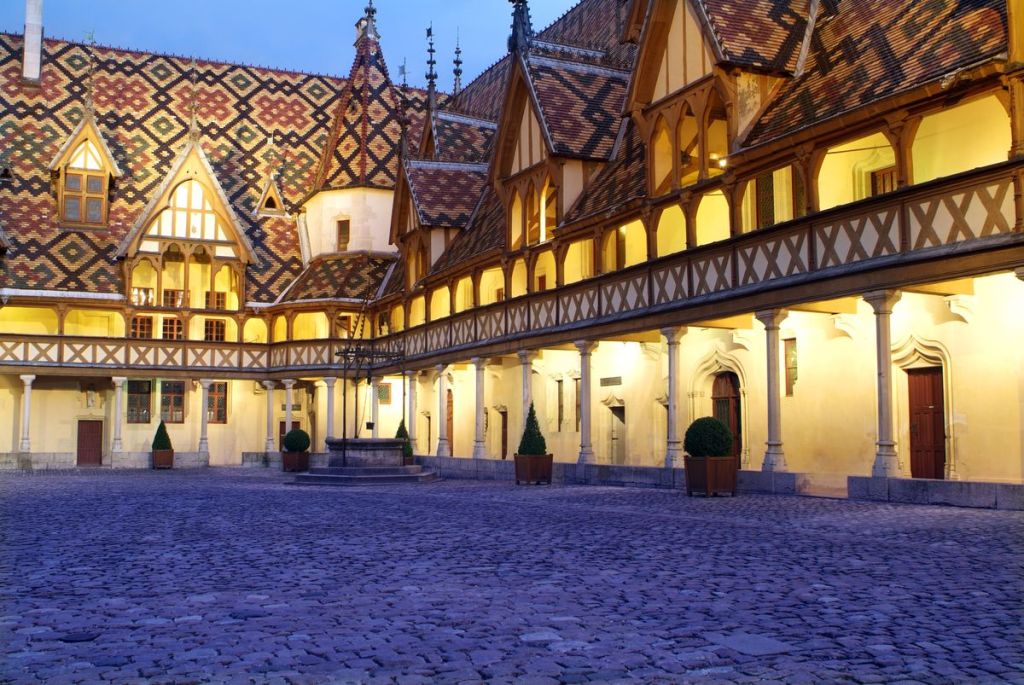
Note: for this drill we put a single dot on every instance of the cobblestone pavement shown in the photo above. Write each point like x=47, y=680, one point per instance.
x=235, y=576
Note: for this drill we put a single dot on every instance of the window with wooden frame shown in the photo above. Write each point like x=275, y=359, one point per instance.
x=141, y=327
x=173, y=329
x=215, y=300
x=214, y=330
x=82, y=192
x=172, y=401
x=217, y=403
x=883, y=181
x=142, y=297
x=789, y=351
x=173, y=298
x=344, y=234
x=140, y=401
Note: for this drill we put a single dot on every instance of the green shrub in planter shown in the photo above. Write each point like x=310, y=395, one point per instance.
x=297, y=440
x=708, y=437
x=162, y=441
x=533, y=441
x=403, y=435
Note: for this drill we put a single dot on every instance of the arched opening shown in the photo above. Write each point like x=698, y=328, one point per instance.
x=397, y=318
x=856, y=170
x=725, y=403
x=417, y=311
x=492, y=286
x=661, y=159
x=939, y=147
x=688, y=137
x=518, y=278
x=544, y=271
x=532, y=216
x=200, y=274
x=28, y=320
x=225, y=294
x=712, y=221
x=463, y=294
x=716, y=135
x=93, y=322
x=279, y=329
x=173, y=279
x=311, y=326
x=772, y=198
x=625, y=246
x=671, y=231
x=254, y=331
x=144, y=284
x=440, y=303
x=549, y=215
x=515, y=221
x=579, y=261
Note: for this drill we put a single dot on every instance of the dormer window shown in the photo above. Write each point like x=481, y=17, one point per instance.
x=83, y=188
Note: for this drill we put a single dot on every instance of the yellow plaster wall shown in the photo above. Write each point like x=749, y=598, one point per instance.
x=671, y=231
x=311, y=326
x=28, y=320
x=579, y=261
x=417, y=311
x=518, y=278
x=545, y=267
x=845, y=174
x=961, y=138
x=94, y=322
x=254, y=331
x=686, y=58
x=491, y=281
x=712, y=218
x=440, y=303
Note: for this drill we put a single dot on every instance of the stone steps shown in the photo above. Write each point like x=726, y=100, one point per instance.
x=366, y=476
x=367, y=471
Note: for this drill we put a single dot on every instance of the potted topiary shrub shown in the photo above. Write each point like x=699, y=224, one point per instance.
x=403, y=434
x=533, y=463
x=163, y=452
x=710, y=466
x=295, y=457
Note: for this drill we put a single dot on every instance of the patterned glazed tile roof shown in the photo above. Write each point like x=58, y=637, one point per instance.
x=762, y=34
x=5, y=242
x=354, y=276
x=485, y=233
x=462, y=139
x=581, y=105
x=443, y=193
x=484, y=96
x=366, y=132
x=874, y=49
x=622, y=181
x=142, y=110
x=594, y=24
x=395, y=281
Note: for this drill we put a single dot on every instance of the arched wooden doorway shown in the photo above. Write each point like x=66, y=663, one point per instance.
x=725, y=398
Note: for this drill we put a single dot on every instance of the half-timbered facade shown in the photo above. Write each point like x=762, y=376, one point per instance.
x=804, y=217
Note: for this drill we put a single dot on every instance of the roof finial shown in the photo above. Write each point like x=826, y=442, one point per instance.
x=366, y=27
x=458, y=64
x=403, y=71
x=431, y=63
x=522, y=27
x=90, y=41
x=193, y=124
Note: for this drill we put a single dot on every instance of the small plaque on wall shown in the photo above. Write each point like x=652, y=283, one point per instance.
x=611, y=382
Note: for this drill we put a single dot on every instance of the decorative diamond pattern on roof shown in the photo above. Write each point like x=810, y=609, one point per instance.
x=462, y=140
x=486, y=233
x=874, y=49
x=763, y=34
x=355, y=276
x=624, y=180
x=444, y=196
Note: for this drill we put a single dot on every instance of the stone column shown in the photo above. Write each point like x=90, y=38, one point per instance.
x=443, y=447
x=586, y=349
x=375, y=406
x=118, y=412
x=526, y=364
x=410, y=420
x=269, y=444
x=886, y=462
x=674, y=450
x=204, y=413
x=288, y=385
x=329, y=382
x=26, y=413
x=774, y=456
x=479, y=449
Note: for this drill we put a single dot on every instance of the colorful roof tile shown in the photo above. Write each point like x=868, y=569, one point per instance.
x=761, y=34
x=622, y=181
x=444, y=193
x=874, y=49
x=351, y=276
x=458, y=138
x=485, y=234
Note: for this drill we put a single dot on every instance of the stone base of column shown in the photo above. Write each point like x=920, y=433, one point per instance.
x=479, y=451
x=774, y=459
x=886, y=464
x=443, y=448
x=674, y=456
x=204, y=446
x=269, y=445
x=118, y=446
x=587, y=456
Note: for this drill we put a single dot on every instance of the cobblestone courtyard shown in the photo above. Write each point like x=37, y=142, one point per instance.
x=232, y=576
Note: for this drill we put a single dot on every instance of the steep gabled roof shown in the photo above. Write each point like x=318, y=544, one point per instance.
x=622, y=181
x=874, y=49
x=444, y=193
x=759, y=34
x=86, y=127
x=459, y=138
x=348, y=276
x=484, y=234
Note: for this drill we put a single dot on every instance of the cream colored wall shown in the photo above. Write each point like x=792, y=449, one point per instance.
x=671, y=231
x=845, y=174
x=490, y=281
x=368, y=209
x=530, y=146
x=579, y=261
x=254, y=331
x=545, y=267
x=572, y=183
x=440, y=303
x=310, y=326
x=939, y=146
x=712, y=218
x=686, y=58
x=94, y=322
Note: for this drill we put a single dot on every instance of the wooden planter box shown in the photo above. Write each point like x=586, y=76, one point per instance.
x=711, y=475
x=534, y=468
x=163, y=459
x=294, y=462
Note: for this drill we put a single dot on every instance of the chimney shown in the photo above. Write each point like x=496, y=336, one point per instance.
x=32, y=59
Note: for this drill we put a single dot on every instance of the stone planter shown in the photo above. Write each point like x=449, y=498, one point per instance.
x=533, y=468
x=711, y=475
x=295, y=462
x=163, y=459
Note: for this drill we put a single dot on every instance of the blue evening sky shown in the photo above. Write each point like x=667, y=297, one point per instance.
x=307, y=35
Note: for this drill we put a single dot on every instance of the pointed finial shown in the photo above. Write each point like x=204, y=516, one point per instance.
x=366, y=27
x=522, y=27
x=403, y=71
x=431, y=63
x=458, y=64
x=90, y=88
x=193, y=125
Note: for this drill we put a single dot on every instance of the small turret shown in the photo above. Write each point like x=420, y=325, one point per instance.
x=522, y=27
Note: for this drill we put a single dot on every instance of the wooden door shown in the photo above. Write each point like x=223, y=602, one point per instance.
x=450, y=421
x=90, y=443
x=927, y=423
x=504, y=434
x=725, y=398
x=618, y=436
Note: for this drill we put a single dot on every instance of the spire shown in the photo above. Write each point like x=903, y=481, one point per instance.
x=403, y=71
x=431, y=64
x=366, y=27
x=458, y=65
x=90, y=86
x=522, y=28
x=193, y=123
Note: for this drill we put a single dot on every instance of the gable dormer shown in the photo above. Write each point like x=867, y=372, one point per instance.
x=270, y=202
x=83, y=169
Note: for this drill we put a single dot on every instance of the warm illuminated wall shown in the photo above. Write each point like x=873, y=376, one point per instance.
x=368, y=210
x=94, y=322
x=254, y=331
x=686, y=58
x=712, y=218
x=310, y=326
x=440, y=303
x=579, y=261
x=961, y=138
x=671, y=231
x=28, y=320
x=845, y=174
x=544, y=271
x=491, y=282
